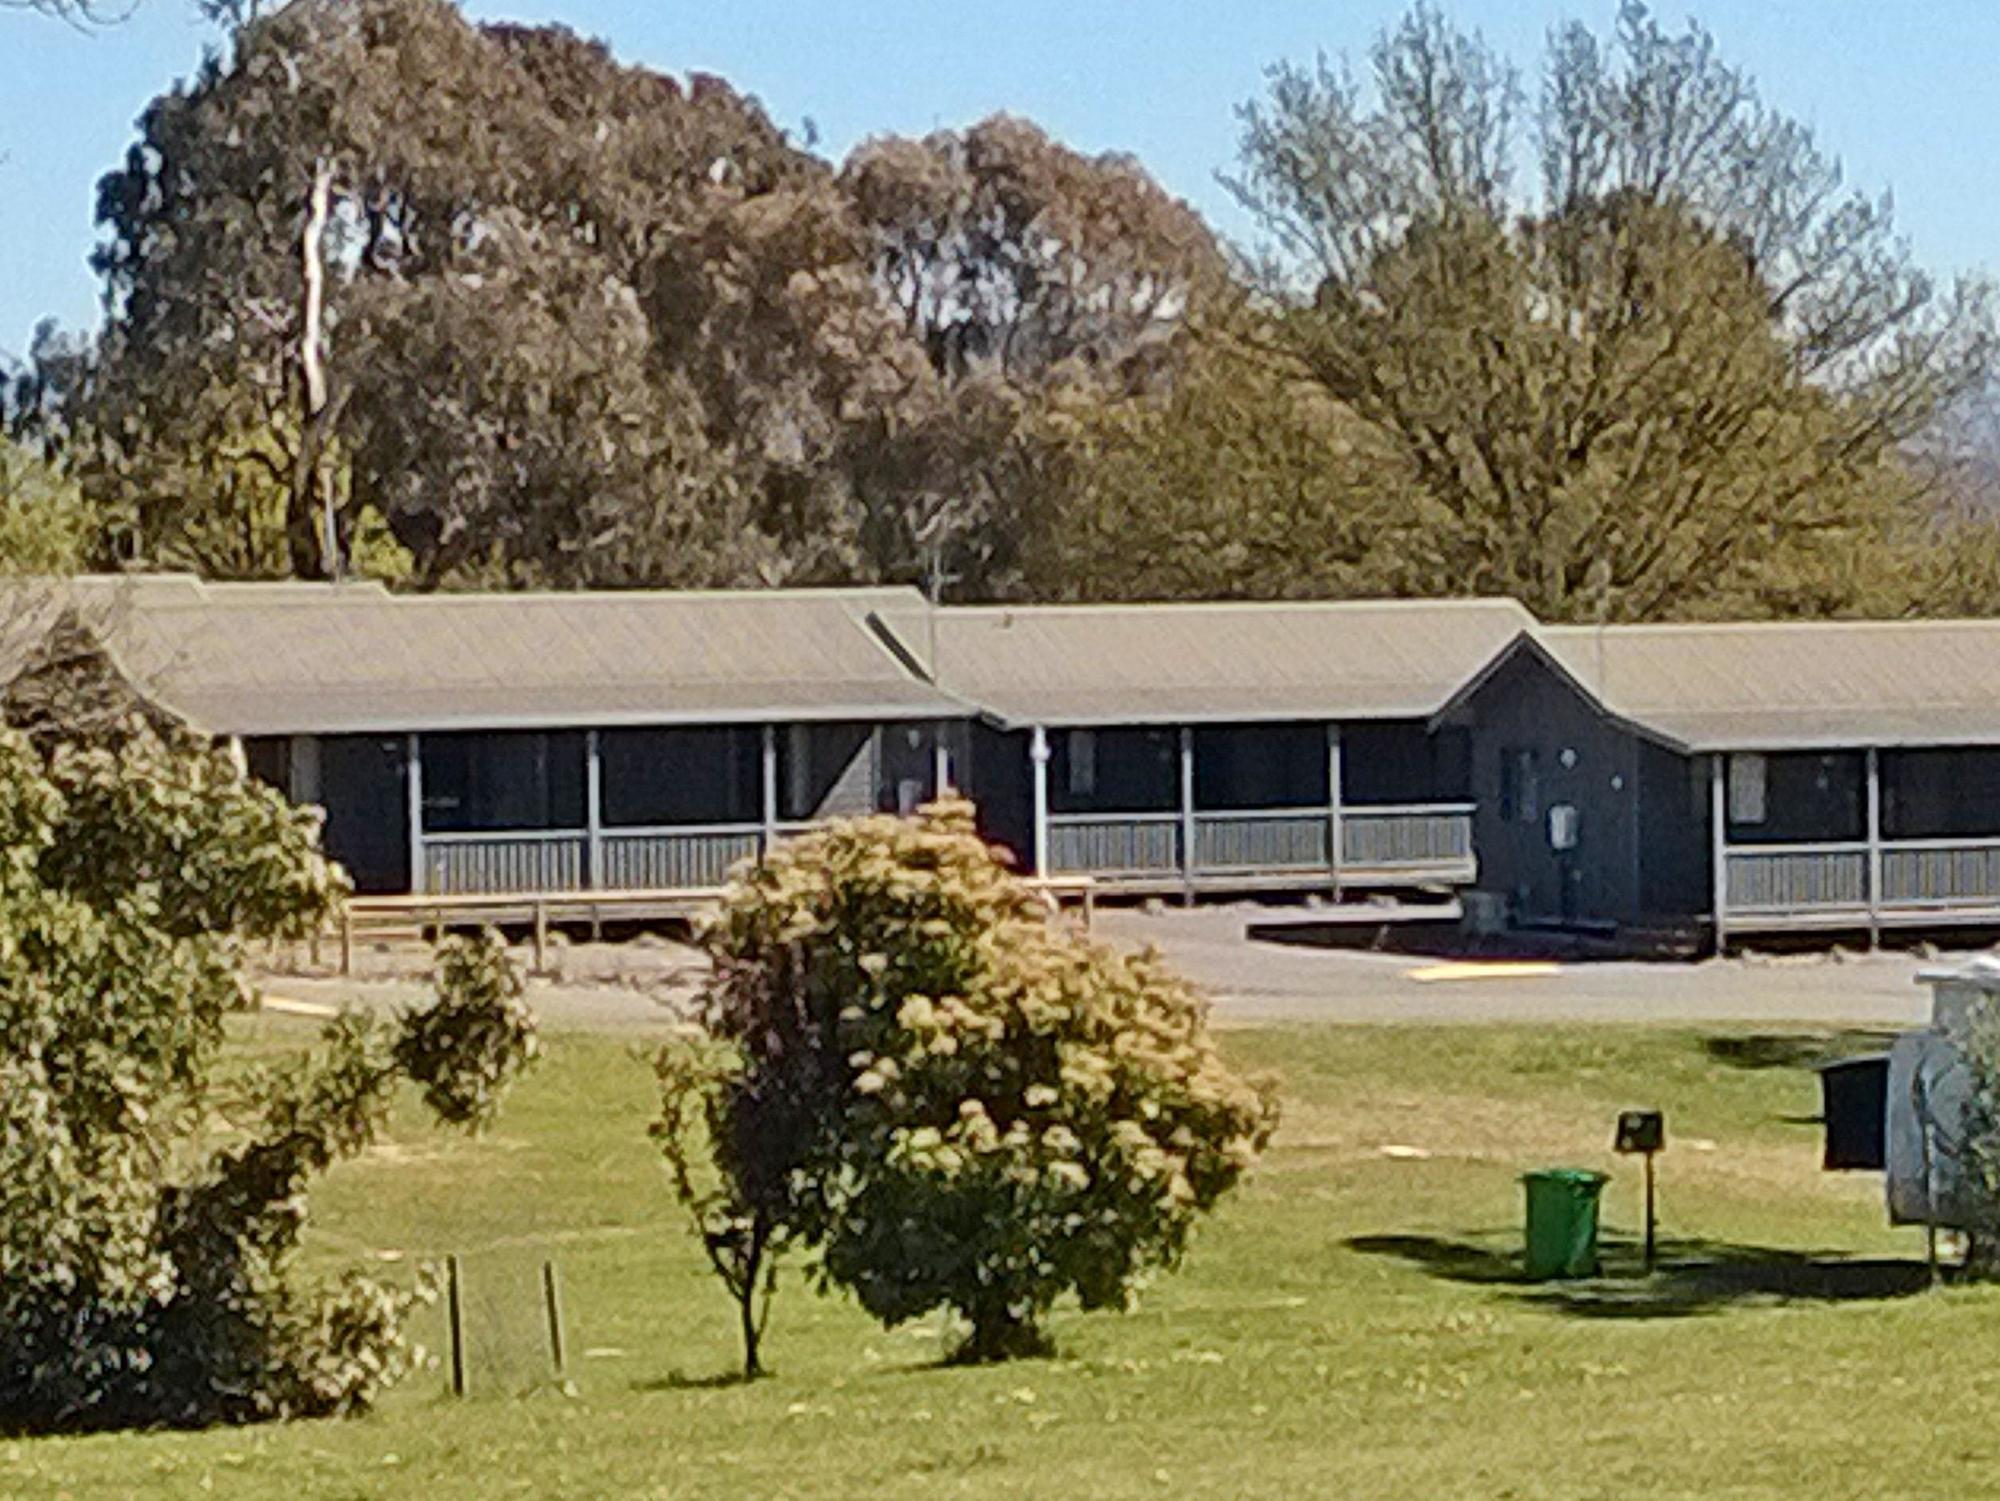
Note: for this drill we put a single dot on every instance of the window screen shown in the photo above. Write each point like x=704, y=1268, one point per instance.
x=658, y=778
x=514, y=780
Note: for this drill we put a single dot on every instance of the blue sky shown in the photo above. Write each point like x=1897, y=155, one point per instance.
x=1907, y=94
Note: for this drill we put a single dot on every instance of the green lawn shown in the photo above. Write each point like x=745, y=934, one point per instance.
x=1347, y=1326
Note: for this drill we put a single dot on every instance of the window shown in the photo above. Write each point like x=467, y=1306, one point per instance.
x=667, y=777
x=1797, y=797
x=525, y=780
x=268, y=758
x=1258, y=766
x=1115, y=770
x=1749, y=777
x=1400, y=761
x=828, y=771
x=1520, y=787
x=1941, y=794
x=1082, y=763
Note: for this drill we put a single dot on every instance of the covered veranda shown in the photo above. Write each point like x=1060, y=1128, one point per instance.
x=646, y=808
x=498, y=745
x=1245, y=806
x=1216, y=747
x=1870, y=838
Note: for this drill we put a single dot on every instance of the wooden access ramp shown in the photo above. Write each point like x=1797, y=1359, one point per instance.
x=426, y=917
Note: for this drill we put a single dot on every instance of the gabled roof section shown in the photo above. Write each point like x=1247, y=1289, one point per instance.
x=268, y=659
x=1194, y=663
x=1793, y=685
x=1528, y=646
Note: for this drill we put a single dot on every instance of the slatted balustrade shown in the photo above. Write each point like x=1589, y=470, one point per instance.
x=1115, y=844
x=671, y=859
x=1287, y=839
x=1785, y=878
x=1431, y=838
x=1421, y=842
x=1941, y=872
x=505, y=863
x=1780, y=885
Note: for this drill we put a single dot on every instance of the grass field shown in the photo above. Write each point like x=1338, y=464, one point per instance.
x=1347, y=1326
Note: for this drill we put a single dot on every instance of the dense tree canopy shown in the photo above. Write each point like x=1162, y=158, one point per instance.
x=1674, y=374
x=546, y=317
x=45, y=526
x=479, y=304
x=150, y=1202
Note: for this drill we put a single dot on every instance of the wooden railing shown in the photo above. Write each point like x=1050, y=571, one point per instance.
x=1429, y=841
x=1941, y=873
x=504, y=863
x=1275, y=840
x=649, y=859
x=1790, y=878
x=1114, y=844
x=518, y=861
x=1419, y=837
x=1806, y=883
x=1420, y=842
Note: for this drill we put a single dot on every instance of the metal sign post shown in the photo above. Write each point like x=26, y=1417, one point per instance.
x=1643, y=1133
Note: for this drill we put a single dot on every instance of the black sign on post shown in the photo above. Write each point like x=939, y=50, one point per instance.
x=1643, y=1133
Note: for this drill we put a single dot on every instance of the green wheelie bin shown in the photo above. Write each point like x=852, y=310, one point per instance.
x=1562, y=1222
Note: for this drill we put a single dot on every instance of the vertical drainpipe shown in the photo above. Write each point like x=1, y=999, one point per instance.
x=1333, y=802
x=1187, y=812
x=1718, y=845
x=1874, y=847
x=413, y=789
x=1038, y=754
x=768, y=839
x=593, y=810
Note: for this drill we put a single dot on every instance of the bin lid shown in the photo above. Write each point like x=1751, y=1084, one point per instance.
x=1581, y=1177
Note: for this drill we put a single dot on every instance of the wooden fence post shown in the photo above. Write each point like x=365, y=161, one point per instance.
x=552, y=1304
x=454, y=1314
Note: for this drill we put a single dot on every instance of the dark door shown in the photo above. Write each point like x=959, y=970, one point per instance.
x=367, y=810
x=907, y=768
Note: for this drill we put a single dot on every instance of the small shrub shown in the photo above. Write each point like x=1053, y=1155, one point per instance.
x=739, y=1202
x=953, y=1101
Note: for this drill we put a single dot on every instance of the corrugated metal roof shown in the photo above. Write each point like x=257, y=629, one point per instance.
x=1804, y=685
x=257, y=659
x=274, y=659
x=1182, y=663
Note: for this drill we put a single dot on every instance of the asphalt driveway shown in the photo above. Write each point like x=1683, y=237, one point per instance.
x=642, y=987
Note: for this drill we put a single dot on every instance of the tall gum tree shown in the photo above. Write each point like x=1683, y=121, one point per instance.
x=583, y=323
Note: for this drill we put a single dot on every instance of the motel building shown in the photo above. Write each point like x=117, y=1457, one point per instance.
x=1724, y=781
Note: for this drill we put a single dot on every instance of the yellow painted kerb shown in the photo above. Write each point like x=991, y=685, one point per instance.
x=1499, y=969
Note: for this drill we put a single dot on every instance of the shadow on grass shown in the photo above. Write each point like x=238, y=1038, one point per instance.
x=1690, y=1277
x=1763, y=1050
x=674, y=1381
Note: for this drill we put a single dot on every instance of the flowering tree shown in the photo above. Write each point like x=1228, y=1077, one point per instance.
x=955, y=1102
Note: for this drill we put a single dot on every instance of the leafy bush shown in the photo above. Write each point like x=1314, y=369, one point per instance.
x=149, y=1207
x=954, y=1101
